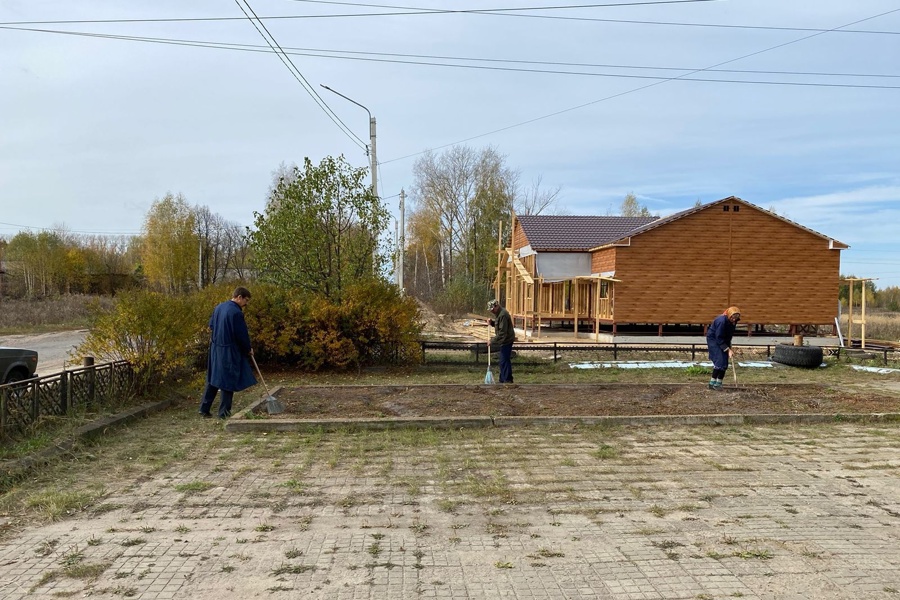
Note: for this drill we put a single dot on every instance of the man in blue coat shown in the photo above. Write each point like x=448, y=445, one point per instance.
x=228, y=367
x=718, y=340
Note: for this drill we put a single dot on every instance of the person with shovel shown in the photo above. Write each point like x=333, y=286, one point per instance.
x=718, y=339
x=228, y=365
x=504, y=336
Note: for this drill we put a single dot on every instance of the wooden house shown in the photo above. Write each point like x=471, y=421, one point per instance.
x=683, y=269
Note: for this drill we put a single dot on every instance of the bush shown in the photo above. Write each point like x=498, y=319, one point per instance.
x=164, y=336
x=372, y=325
x=159, y=334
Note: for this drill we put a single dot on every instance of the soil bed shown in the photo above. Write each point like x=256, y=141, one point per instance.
x=330, y=402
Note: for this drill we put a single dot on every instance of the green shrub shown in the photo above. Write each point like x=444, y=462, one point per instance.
x=164, y=336
x=372, y=325
x=383, y=325
x=159, y=334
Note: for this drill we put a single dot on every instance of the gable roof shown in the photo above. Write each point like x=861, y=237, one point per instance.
x=564, y=233
x=731, y=199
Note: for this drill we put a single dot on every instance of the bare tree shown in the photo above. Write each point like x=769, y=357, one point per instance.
x=534, y=200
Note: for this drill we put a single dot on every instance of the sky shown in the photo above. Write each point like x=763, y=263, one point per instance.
x=792, y=106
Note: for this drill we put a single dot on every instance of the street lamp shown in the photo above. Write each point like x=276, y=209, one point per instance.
x=371, y=148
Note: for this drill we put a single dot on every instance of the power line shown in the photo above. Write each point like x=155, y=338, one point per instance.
x=366, y=56
x=66, y=230
x=295, y=72
x=637, y=89
x=404, y=12
x=496, y=11
x=411, y=11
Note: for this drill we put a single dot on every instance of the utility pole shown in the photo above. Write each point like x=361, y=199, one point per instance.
x=372, y=152
x=402, y=245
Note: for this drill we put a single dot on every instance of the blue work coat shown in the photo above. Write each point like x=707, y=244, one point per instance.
x=228, y=366
x=720, y=333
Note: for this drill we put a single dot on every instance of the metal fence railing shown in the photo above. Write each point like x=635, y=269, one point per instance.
x=25, y=402
x=476, y=352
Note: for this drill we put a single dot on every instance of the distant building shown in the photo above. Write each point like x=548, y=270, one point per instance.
x=683, y=269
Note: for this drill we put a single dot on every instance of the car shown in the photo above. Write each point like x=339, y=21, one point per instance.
x=17, y=364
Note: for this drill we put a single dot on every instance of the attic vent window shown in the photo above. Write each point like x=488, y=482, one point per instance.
x=736, y=208
x=725, y=208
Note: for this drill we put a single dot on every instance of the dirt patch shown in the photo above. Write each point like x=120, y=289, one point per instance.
x=320, y=402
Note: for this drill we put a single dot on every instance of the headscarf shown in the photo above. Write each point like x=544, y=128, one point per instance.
x=731, y=310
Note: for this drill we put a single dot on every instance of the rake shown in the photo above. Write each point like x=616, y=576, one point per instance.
x=273, y=406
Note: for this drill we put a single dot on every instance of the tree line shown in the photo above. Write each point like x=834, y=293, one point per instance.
x=181, y=247
x=320, y=232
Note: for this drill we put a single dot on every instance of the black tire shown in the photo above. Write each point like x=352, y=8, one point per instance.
x=808, y=357
x=16, y=375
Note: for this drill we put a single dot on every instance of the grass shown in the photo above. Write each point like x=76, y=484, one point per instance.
x=193, y=487
x=879, y=325
x=56, y=504
x=49, y=314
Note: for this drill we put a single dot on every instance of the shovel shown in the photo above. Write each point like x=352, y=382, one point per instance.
x=489, y=377
x=273, y=406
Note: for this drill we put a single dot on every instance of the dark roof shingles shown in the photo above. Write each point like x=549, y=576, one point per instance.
x=577, y=233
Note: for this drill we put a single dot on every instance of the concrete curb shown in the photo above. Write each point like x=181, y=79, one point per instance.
x=246, y=421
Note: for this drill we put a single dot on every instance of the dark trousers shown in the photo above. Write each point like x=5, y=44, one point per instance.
x=506, y=364
x=719, y=360
x=224, y=404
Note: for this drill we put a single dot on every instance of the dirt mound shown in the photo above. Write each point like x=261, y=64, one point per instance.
x=438, y=326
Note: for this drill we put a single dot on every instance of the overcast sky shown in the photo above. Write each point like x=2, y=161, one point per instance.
x=93, y=129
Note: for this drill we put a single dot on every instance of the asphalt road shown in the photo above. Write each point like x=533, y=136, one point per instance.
x=54, y=349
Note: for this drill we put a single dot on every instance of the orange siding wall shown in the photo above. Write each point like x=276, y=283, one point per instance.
x=690, y=270
x=518, y=237
x=603, y=261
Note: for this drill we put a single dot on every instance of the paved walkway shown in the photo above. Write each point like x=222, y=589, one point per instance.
x=663, y=513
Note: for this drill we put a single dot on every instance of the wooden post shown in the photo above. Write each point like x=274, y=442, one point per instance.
x=862, y=320
x=575, y=306
x=500, y=254
x=850, y=314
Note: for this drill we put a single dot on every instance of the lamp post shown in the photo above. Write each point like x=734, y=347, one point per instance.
x=371, y=148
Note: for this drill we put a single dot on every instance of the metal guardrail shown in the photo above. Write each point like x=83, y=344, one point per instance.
x=477, y=349
x=23, y=403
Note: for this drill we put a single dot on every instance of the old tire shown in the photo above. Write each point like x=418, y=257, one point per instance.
x=808, y=357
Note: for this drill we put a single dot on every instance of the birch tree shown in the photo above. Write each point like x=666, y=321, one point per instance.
x=170, y=249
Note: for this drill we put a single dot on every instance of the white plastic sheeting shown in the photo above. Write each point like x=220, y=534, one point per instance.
x=882, y=370
x=561, y=266
x=662, y=364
